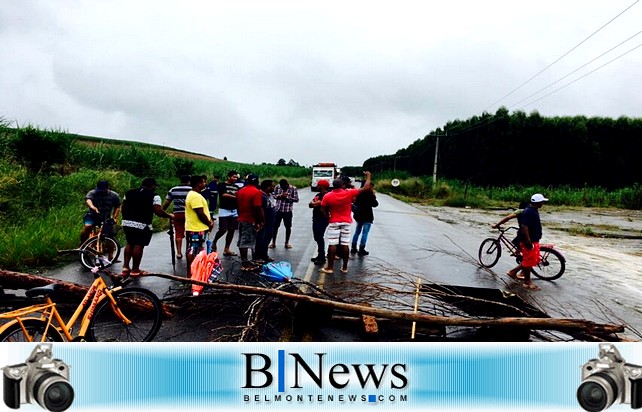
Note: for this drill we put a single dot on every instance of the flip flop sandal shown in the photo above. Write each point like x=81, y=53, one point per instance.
x=510, y=275
x=344, y=270
x=229, y=254
x=324, y=270
x=139, y=273
x=125, y=272
x=288, y=246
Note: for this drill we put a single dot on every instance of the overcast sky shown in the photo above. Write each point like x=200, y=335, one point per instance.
x=311, y=81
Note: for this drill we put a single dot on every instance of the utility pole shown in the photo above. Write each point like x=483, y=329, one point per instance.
x=434, y=169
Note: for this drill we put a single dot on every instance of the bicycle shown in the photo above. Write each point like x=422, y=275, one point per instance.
x=100, y=250
x=117, y=313
x=551, y=266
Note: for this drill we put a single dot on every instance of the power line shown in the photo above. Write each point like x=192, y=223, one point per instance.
x=561, y=57
x=581, y=77
x=575, y=71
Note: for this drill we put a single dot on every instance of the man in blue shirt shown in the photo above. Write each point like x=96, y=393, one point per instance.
x=530, y=232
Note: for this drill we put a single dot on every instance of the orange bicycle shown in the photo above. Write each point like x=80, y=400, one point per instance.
x=122, y=314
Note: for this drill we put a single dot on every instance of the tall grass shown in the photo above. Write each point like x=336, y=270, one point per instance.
x=41, y=208
x=42, y=199
x=457, y=193
x=33, y=243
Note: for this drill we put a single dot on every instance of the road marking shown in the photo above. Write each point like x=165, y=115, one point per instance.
x=312, y=269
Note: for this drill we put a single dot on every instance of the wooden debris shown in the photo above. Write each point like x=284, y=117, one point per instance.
x=370, y=326
x=564, y=325
x=414, y=324
x=17, y=280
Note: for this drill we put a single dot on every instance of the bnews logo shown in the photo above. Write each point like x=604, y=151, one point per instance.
x=260, y=371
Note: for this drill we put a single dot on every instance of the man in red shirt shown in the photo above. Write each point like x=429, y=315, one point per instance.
x=337, y=205
x=251, y=218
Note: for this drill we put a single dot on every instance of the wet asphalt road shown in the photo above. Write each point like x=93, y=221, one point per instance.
x=406, y=240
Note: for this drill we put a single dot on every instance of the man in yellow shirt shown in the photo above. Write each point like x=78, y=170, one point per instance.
x=197, y=220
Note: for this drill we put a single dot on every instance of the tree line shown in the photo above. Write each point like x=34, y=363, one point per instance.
x=519, y=149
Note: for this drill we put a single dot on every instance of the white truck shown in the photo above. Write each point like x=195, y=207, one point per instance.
x=324, y=171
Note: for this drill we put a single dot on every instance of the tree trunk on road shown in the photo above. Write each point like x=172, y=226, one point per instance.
x=16, y=280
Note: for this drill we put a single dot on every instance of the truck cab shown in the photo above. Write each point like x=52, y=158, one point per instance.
x=323, y=171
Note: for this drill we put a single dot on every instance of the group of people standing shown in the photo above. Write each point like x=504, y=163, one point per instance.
x=137, y=209
x=256, y=209
x=332, y=217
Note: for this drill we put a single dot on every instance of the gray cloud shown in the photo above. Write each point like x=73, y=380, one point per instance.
x=339, y=81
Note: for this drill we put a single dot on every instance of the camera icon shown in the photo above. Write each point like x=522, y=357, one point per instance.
x=609, y=379
x=41, y=379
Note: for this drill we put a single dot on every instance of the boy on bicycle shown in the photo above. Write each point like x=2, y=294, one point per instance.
x=530, y=232
x=103, y=203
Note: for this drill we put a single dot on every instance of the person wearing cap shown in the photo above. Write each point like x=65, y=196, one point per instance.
x=139, y=207
x=319, y=221
x=530, y=233
x=251, y=218
x=177, y=195
x=227, y=212
x=103, y=204
x=337, y=206
x=286, y=196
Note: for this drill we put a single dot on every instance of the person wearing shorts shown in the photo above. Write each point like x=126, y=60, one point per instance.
x=337, y=206
x=251, y=218
x=139, y=207
x=177, y=195
x=103, y=206
x=197, y=220
x=530, y=232
x=227, y=212
x=195, y=242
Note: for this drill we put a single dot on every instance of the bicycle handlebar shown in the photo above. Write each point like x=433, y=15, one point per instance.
x=506, y=229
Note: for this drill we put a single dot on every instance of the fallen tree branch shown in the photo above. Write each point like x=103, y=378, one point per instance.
x=68, y=291
x=16, y=280
x=564, y=325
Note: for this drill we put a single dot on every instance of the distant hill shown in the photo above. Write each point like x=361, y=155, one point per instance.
x=94, y=140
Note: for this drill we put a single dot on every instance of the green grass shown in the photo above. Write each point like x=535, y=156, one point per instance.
x=42, y=203
x=459, y=194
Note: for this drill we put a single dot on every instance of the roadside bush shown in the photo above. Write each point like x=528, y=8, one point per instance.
x=442, y=191
x=631, y=198
x=39, y=150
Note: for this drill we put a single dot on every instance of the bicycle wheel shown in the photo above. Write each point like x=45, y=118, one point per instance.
x=551, y=264
x=489, y=252
x=140, y=306
x=35, y=327
x=101, y=251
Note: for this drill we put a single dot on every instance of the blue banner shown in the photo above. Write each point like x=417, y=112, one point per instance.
x=321, y=376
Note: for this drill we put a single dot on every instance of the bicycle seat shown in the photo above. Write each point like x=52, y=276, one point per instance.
x=42, y=290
